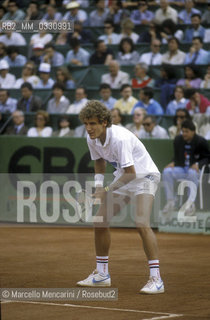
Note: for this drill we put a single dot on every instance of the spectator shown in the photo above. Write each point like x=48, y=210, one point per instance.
x=7, y=80
x=192, y=79
x=28, y=102
x=198, y=103
x=51, y=56
x=41, y=128
x=63, y=76
x=80, y=101
x=102, y=54
x=14, y=13
x=38, y=52
x=82, y=34
x=33, y=11
x=116, y=117
x=64, y=128
x=41, y=38
x=206, y=15
x=18, y=128
x=142, y=79
x=77, y=56
x=98, y=16
x=147, y=102
x=197, y=55
x=178, y=103
x=52, y=14
x=205, y=84
x=151, y=130
x=165, y=12
x=185, y=15
x=45, y=81
x=142, y=16
x=14, y=58
x=3, y=51
x=115, y=78
x=126, y=54
x=173, y=55
x=138, y=117
x=127, y=27
x=28, y=75
x=110, y=37
x=154, y=57
x=74, y=13
x=180, y=116
x=7, y=104
x=151, y=34
x=116, y=12
x=190, y=153
x=196, y=31
x=10, y=38
x=169, y=30
x=126, y=103
x=58, y=104
x=106, y=96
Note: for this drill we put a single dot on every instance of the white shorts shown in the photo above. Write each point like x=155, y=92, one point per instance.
x=147, y=184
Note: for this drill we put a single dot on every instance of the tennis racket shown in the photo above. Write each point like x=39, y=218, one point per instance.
x=84, y=206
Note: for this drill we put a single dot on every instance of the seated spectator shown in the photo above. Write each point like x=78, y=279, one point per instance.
x=98, y=16
x=14, y=13
x=206, y=15
x=7, y=104
x=147, y=102
x=150, y=34
x=77, y=56
x=41, y=38
x=106, y=96
x=192, y=79
x=33, y=11
x=74, y=13
x=116, y=117
x=185, y=15
x=3, y=51
x=197, y=55
x=110, y=37
x=80, y=101
x=138, y=117
x=151, y=130
x=52, y=14
x=173, y=55
x=28, y=75
x=142, y=79
x=205, y=84
x=178, y=103
x=82, y=34
x=7, y=80
x=80, y=132
x=127, y=27
x=115, y=78
x=126, y=103
x=102, y=54
x=38, y=52
x=116, y=12
x=196, y=31
x=45, y=81
x=169, y=30
x=28, y=102
x=11, y=38
x=64, y=128
x=190, y=153
x=63, y=76
x=154, y=57
x=197, y=102
x=126, y=54
x=165, y=12
x=58, y=104
x=41, y=128
x=18, y=128
x=14, y=58
x=51, y=56
x=142, y=16
x=180, y=116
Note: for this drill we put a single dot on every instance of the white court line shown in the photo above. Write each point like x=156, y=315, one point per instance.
x=164, y=314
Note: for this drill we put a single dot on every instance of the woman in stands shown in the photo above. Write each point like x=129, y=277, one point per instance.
x=192, y=78
x=41, y=129
x=63, y=76
x=126, y=54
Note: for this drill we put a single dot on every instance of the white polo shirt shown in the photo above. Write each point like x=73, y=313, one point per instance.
x=122, y=149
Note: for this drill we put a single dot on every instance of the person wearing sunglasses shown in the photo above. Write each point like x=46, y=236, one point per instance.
x=152, y=130
x=181, y=115
x=109, y=36
x=154, y=57
x=14, y=13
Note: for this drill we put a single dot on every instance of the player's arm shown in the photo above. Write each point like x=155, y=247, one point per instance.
x=128, y=175
x=100, y=168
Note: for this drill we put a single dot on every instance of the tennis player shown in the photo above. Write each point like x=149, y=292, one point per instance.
x=136, y=179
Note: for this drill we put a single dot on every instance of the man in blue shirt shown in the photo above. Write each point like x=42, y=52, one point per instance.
x=197, y=30
x=7, y=104
x=77, y=56
x=197, y=55
x=106, y=96
x=186, y=14
x=146, y=102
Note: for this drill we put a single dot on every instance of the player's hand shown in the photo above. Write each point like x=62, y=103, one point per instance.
x=100, y=194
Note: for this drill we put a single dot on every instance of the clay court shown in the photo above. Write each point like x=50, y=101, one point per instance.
x=58, y=257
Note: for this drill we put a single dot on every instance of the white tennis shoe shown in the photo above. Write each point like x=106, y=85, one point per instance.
x=154, y=285
x=96, y=279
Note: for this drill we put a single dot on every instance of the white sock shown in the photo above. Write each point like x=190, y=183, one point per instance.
x=102, y=264
x=154, y=268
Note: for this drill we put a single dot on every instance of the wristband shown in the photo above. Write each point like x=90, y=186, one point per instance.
x=99, y=180
x=106, y=189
